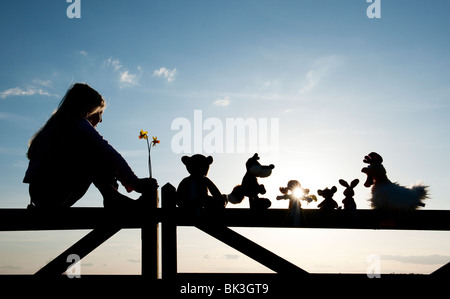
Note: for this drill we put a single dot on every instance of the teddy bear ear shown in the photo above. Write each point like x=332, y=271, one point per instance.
x=334, y=189
x=255, y=156
x=209, y=159
x=320, y=192
x=185, y=159
x=284, y=190
x=343, y=183
x=354, y=183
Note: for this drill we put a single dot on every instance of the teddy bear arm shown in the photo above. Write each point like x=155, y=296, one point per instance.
x=252, y=183
x=261, y=189
x=182, y=193
x=215, y=192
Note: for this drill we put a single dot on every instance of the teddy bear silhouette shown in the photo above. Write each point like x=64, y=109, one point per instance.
x=348, y=201
x=192, y=192
x=328, y=203
x=250, y=186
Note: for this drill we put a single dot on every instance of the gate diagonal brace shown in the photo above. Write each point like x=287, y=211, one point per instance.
x=252, y=250
x=82, y=248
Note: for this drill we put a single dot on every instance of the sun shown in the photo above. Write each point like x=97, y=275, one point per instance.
x=298, y=193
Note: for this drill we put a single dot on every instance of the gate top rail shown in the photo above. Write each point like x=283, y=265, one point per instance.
x=89, y=218
x=106, y=222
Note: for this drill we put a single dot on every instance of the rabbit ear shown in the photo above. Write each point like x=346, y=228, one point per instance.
x=343, y=183
x=354, y=183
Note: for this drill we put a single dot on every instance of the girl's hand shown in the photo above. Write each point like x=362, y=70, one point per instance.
x=146, y=185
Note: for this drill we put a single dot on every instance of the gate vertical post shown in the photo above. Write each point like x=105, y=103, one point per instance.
x=169, y=233
x=150, y=237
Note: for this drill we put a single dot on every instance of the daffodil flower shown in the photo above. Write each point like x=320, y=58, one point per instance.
x=155, y=141
x=143, y=135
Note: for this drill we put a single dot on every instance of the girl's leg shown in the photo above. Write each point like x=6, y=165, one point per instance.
x=57, y=194
x=107, y=184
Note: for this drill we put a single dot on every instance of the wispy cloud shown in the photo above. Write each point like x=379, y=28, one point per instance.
x=10, y=267
x=433, y=259
x=14, y=118
x=321, y=68
x=311, y=79
x=230, y=256
x=134, y=261
x=165, y=73
x=37, y=88
x=125, y=76
x=227, y=256
x=46, y=83
x=17, y=91
x=83, y=53
x=114, y=63
x=223, y=102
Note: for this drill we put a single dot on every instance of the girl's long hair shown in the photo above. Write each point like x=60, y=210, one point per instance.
x=80, y=101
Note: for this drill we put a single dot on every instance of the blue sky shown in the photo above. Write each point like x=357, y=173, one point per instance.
x=340, y=84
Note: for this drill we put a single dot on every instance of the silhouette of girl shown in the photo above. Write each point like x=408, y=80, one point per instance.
x=68, y=154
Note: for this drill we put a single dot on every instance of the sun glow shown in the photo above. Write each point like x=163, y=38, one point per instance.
x=298, y=193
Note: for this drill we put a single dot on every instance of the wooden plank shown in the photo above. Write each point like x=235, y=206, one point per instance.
x=100, y=234
x=336, y=219
x=89, y=218
x=81, y=248
x=443, y=271
x=70, y=219
x=252, y=250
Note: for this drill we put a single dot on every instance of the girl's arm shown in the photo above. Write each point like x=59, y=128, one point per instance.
x=104, y=151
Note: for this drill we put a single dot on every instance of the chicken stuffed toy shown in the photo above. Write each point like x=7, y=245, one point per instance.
x=388, y=195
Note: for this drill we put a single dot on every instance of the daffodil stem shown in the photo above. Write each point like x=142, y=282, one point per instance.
x=149, y=160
